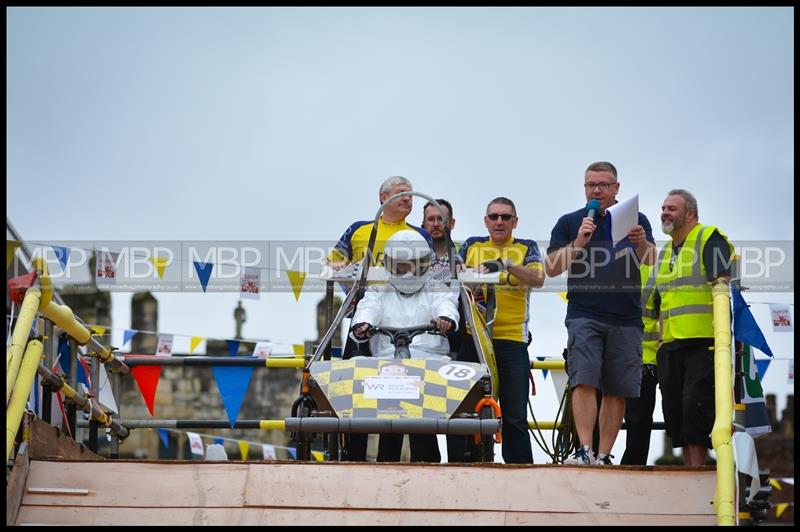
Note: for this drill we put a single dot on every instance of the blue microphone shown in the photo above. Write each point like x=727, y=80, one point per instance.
x=592, y=207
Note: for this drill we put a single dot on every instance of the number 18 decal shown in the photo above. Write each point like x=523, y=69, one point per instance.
x=456, y=372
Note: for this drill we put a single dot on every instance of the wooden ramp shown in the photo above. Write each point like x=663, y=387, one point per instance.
x=323, y=493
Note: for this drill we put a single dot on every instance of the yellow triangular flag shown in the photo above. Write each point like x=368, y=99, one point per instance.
x=160, y=265
x=775, y=484
x=194, y=342
x=563, y=295
x=780, y=508
x=11, y=249
x=297, y=279
x=243, y=447
x=318, y=456
x=299, y=350
x=98, y=330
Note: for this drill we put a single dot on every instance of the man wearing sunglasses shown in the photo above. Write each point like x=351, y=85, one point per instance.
x=604, y=312
x=520, y=267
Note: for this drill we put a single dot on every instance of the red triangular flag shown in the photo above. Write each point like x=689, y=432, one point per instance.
x=147, y=378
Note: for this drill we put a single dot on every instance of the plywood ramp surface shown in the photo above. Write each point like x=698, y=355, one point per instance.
x=286, y=493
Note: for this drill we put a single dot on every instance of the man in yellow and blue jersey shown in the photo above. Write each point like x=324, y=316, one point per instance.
x=520, y=265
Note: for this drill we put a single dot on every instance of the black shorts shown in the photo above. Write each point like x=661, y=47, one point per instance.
x=686, y=379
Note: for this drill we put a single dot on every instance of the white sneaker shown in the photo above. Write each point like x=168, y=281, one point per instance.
x=583, y=456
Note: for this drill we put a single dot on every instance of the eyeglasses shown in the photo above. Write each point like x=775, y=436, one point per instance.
x=603, y=186
x=494, y=216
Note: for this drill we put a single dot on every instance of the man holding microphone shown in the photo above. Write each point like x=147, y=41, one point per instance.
x=604, y=312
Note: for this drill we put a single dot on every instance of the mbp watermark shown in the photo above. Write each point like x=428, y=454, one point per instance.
x=265, y=266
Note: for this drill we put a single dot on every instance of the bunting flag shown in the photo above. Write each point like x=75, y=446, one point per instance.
x=755, y=407
x=761, y=367
x=544, y=371
x=11, y=250
x=296, y=279
x=127, y=335
x=244, y=447
x=232, y=383
x=196, y=444
x=745, y=328
x=106, y=395
x=233, y=347
x=62, y=254
x=164, y=435
x=98, y=330
x=560, y=380
x=775, y=483
x=781, y=317
x=250, y=282
x=106, y=268
x=164, y=345
x=160, y=265
x=203, y=272
x=292, y=452
x=147, y=379
x=269, y=451
x=563, y=296
x=194, y=342
x=219, y=441
x=64, y=360
x=262, y=349
x=299, y=350
x=744, y=455
x=319, y=456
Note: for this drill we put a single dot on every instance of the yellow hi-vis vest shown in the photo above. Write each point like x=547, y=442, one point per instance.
x=652, y=333
x=686, y=303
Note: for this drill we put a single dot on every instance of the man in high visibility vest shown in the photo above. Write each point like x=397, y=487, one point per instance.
x=697, y=256
x=639, y=410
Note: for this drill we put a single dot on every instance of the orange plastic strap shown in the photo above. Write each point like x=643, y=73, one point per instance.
x=487, y=400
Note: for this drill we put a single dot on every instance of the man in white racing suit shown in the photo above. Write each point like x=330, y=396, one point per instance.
x=411, y=297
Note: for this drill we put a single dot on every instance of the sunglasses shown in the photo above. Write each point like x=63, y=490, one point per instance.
x=494, y=216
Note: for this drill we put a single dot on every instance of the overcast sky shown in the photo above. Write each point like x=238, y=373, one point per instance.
x=269, y=124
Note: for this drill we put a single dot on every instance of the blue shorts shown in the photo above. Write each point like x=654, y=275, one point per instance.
x=608, y=357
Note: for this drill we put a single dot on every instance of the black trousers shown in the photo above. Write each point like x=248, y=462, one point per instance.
x=639, y=419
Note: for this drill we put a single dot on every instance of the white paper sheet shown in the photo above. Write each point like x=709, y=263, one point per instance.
x=624, y=217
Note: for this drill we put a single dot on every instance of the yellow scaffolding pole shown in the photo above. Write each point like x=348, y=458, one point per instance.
x=721, y=434
x=21, y=392
x=19, y=337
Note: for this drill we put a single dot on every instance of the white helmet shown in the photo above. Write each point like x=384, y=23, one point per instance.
x=407, y=259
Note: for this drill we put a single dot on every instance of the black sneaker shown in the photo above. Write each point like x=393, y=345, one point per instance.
x=605, y=459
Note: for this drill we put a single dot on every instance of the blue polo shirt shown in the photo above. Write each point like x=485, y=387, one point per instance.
x=602, y=284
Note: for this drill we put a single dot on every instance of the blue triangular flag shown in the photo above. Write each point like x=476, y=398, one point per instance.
x=62, y=254
x=761, y=366
x=544, y=371
x=63, y=351
x=233, y=347
x=164, y=435
x=745, y=328
x=219, y=441
x=127, y=335
x=232, y=383
x=203, y=272
x=64, y=359
x=292, y=452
